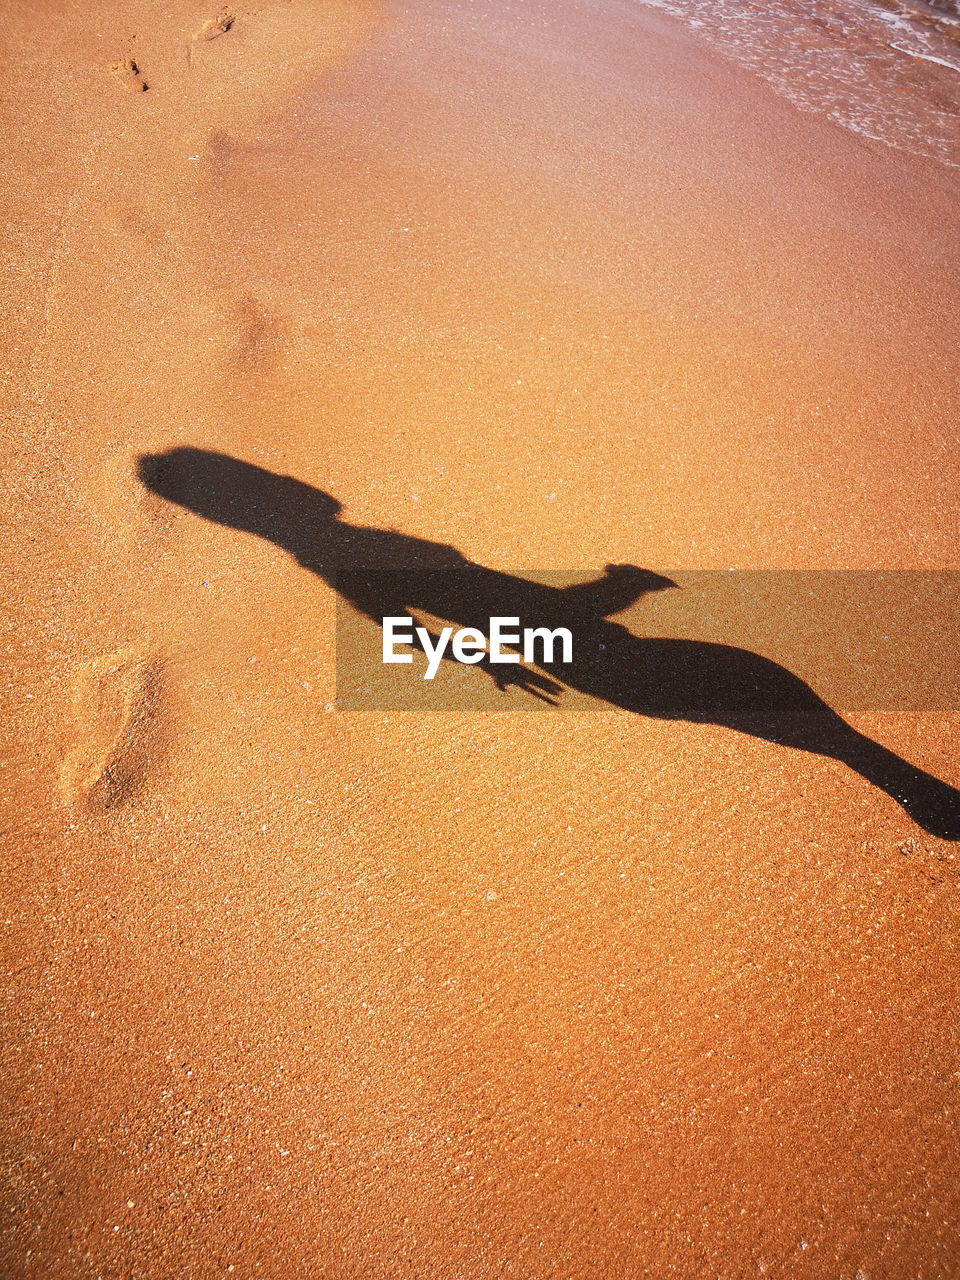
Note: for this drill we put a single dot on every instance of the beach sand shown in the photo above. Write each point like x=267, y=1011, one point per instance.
x=292, y=992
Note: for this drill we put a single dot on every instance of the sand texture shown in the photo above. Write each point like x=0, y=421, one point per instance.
x=293, y=992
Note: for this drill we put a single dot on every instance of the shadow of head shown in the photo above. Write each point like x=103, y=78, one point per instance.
x=641, y=580
x=238, y=494
x=621, y=586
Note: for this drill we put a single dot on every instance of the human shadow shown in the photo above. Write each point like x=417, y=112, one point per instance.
x=383, y=573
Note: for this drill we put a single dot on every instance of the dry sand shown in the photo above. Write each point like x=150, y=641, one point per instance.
x=299, y=993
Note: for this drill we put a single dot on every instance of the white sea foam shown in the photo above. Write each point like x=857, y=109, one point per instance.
x=887, y=69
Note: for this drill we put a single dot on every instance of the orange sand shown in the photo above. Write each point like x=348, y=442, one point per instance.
x=293, y=993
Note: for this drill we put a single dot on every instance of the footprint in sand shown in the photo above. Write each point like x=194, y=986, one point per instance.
x=260, y=336
x=215, y=27
x=212, y=29
x=130, y=75
x=119, y=716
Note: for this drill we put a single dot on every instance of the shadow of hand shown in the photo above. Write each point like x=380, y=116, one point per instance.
x=541, y=687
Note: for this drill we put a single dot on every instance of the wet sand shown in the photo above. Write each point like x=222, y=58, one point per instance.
x=293, y=992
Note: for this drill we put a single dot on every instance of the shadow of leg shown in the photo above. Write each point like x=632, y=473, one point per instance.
x=932, y=804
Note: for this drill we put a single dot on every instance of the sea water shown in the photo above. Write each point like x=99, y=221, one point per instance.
x=887, y=69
